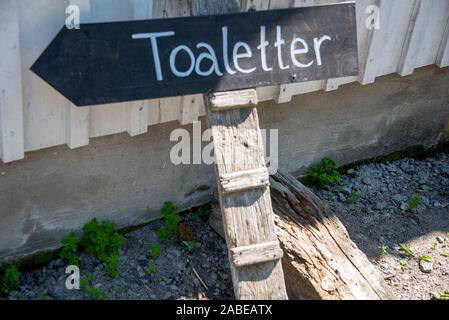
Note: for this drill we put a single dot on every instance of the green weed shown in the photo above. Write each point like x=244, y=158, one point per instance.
x=118, y=292
x=403, y=265
x=11, y=279
x=104, y=242
x=425, y=258
x=184, y=232
x=151, y=269
x=383, y=249
x=442, y=296
x=354, y=197
x=191, y=245
x=90, y=291
x=325, y=173
x=155, y=250
x=202, y=213
x=406, y=250
x=69, y=250
x=415, y=202
x=41, y=296
x=170, y=217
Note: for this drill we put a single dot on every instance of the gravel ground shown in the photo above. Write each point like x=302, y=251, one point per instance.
x=372, y=201
x=174, y=278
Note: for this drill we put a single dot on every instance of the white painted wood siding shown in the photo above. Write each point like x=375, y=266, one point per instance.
x=412, y=34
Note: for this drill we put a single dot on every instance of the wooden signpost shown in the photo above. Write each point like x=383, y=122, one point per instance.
x=217, y=50
x=123, y=61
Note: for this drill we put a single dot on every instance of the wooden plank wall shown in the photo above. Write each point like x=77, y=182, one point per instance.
x=412, y=34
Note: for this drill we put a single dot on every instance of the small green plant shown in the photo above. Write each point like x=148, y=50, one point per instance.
x=425, y=258
x=96, y=293
x=202, y=213
x=69, y=250
x=191, y=245
x=170, y=217
x=112, y=263
x=415, y=202
x=406, y=250
x=85, y=282
x=445, y=254
x=403, y=265
x=354, y=197
x=104, y=242
x=118, y=292
x=90, y=291
x=435, y=246
x=155, y=249
x=184, y=232
x=11, y=279
x=442, y=296
x=325, y=173
x=151, y=269
x=383, y=249
x=164, y=234
x=41, y=296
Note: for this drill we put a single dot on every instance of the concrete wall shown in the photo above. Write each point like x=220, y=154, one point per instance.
x=362, y=122
x=54, y=191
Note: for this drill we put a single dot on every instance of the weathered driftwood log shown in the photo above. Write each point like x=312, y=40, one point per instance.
x=320, y=260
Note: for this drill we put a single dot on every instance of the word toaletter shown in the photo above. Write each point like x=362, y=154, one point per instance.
x=206, y=62
x=123, y=61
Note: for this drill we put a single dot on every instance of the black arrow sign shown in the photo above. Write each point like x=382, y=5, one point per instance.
x=124, y=61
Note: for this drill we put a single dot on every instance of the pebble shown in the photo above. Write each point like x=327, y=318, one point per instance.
x=196, y=282
x=56, y=292
x=425, y=266
x=381, y=205
x=347, y=191
x=350, y=172
x=367, y=181
x=440, y=239
x=398, y=197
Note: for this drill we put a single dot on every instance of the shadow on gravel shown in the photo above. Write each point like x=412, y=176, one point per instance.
x=371, y=232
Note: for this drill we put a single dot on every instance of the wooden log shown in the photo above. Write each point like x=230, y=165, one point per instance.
x=320, y=260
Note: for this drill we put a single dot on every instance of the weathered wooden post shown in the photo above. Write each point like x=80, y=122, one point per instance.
x=243, y=185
